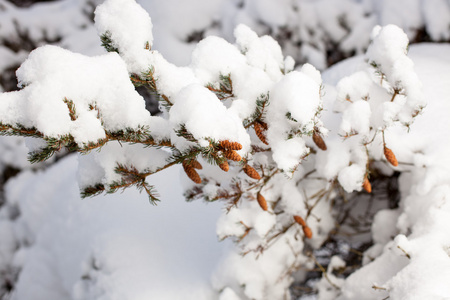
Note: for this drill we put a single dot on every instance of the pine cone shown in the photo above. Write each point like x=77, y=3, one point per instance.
x=262, y=201
x=232, y=155
x=224, y=166
x=263, y=124
x=318, y=140
x=367, y=186
x=195, y=164
x=259, y=132
x=390, y=156
x=300, y=220
x=191, y=173
x=251, y=172
x=307, y=231
x=230, y=145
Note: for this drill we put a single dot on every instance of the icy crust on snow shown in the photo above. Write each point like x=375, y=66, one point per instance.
x=129, y=27
x=99, y=87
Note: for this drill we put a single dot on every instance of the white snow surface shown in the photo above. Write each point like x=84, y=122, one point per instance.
x=80, y=249
x=109, y=247
x=41, y=103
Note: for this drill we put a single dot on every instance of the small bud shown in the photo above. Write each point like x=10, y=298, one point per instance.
x=307, y=231
x=224, y=166
x=318, y=140
x=232, y=155
x=390, y=156
x=230, y=145
x=300, y=220
x=366, y=185
x=251, y=172
x=262, y=201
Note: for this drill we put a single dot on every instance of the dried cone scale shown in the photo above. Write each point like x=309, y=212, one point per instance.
x=366, y=185
x=262, y=201
x=390, y=156
x=251, y=172
x=318, y=140
x=259, y=132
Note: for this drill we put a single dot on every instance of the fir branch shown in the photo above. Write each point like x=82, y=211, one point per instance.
x=140, y=135
x=53, y=145
x=19, y=130
x=71, y=107
x=131, y=176
x=92, y=190
x=261, y=102
x=184, y=133
x=225, y=89
x=188, y=154
x=211, y=155
x=148, y=80
x=108, y=43
x=289, y=117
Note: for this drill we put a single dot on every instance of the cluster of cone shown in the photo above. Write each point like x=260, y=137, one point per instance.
x=228, y=151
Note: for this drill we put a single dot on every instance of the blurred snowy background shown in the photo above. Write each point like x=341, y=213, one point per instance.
x=53, y=245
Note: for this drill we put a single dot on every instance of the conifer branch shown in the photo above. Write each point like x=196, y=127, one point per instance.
x=19, y=130
x=149, y=80
x=261, y=102
x=225, y=89
x=92, y=190
x=108, y=43
x=71, y=107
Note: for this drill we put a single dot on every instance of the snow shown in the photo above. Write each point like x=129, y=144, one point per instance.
x=41, y=103
x=111, y=247
x=120, y=247
x=206, y=117
x=130, y=29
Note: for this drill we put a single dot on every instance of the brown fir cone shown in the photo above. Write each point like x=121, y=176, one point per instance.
x=224, y=166
x=263, y=125
x=318, y=140
x=299, y=220
x=232, y=155
x=367, y=186
x=390, y=156
x=191, y=173
x=251, y=172
x=195, y=164
x=307, y=231
x=230, y=145
x=259, y=132
x=262, y=201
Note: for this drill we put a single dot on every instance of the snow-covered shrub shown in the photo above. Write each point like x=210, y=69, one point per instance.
x=324, y=32
x=246, y=127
